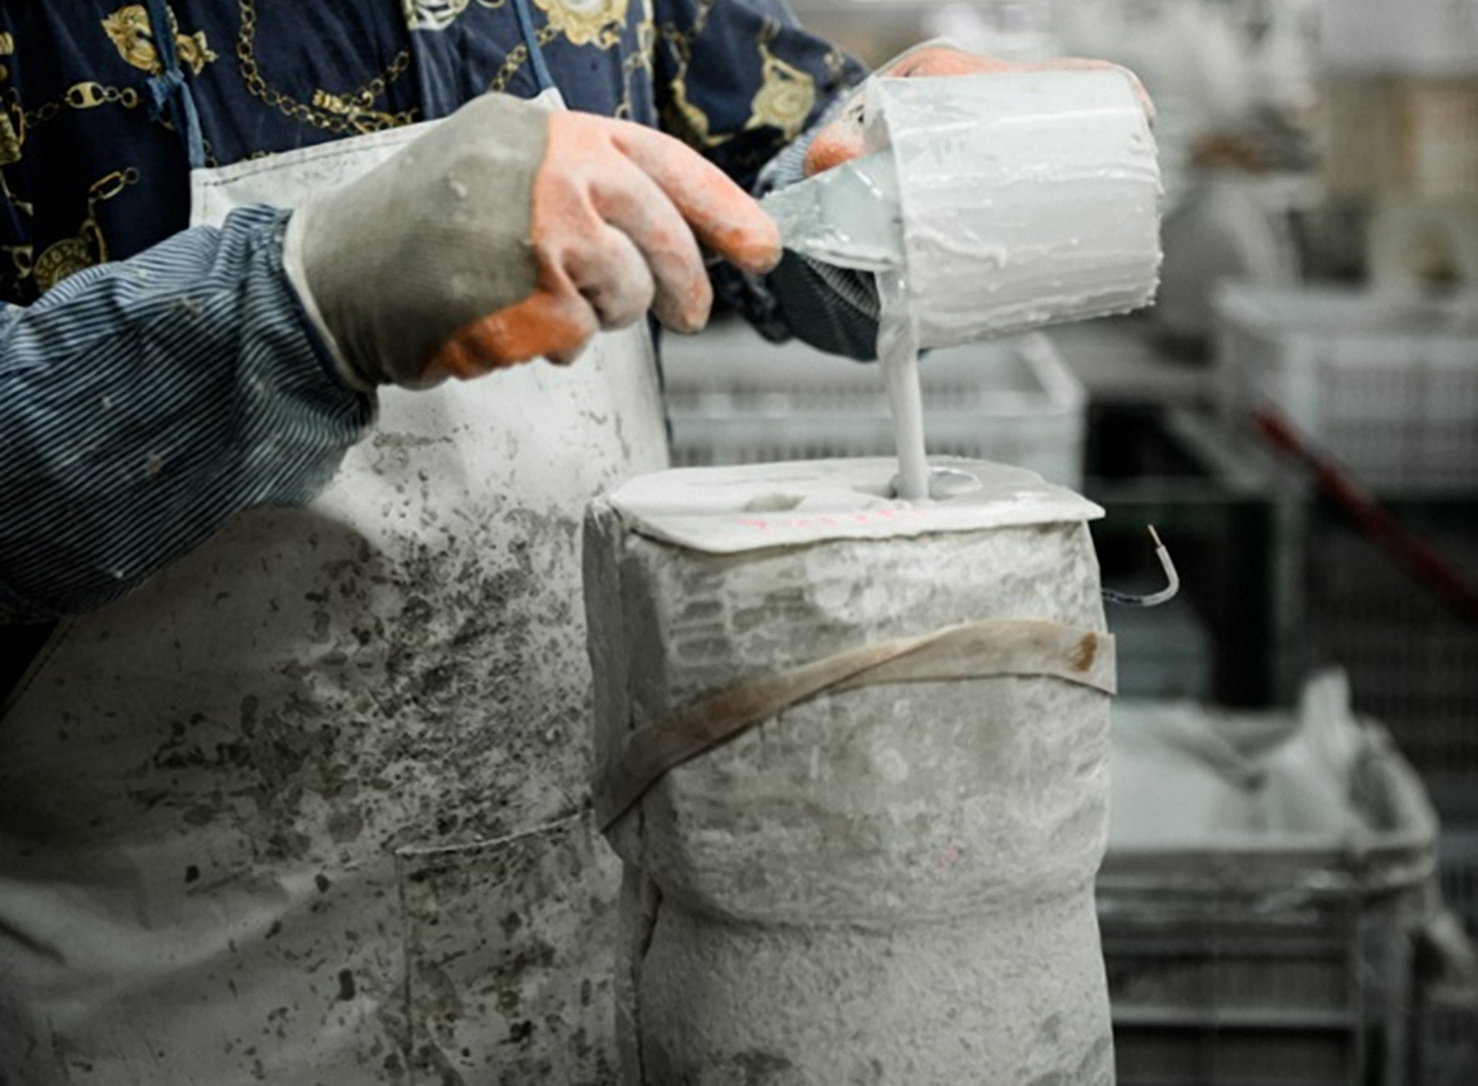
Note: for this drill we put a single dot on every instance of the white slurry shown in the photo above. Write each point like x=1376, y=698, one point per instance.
x=899, y=354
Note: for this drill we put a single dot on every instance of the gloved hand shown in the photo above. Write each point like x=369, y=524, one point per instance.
x=507, y=233
x=841, y=140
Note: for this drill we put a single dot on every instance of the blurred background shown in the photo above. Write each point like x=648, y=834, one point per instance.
x=1292, y=875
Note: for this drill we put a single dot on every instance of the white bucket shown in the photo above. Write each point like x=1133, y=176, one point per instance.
x=992, y=204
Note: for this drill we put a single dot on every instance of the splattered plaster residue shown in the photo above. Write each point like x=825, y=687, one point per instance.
x=319, y=784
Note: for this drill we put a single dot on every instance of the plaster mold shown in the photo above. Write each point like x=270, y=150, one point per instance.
x=892, y=884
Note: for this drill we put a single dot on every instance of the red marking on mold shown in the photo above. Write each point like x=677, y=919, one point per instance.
x=946, y=861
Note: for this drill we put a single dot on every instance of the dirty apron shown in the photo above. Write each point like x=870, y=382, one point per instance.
x=308, y=808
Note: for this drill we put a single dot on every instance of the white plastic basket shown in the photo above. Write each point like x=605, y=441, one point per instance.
x=733, y=398
x=1401, y=137
x=1387, y=384
x=1412, y=662
x=1457, y=859
x=1263, y=876
x=1433, y=37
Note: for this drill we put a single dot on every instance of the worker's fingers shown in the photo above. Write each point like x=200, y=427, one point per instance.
x=611, y=271
x=551, y=321
x=941, y=60
x=947, y=62
x=1084, y=63
x=724, y=217
x=832, y=146
x=629, y=199
x=841, y=140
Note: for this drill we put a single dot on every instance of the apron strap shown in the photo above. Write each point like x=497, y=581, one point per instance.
x=169, y=92
x=531, y=42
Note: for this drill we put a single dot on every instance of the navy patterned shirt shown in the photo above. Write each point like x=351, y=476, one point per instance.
x=154, y=381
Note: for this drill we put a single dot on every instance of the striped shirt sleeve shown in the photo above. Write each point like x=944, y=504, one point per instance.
x=145, y=403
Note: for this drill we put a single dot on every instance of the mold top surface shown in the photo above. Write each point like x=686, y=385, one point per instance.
x=728, y=510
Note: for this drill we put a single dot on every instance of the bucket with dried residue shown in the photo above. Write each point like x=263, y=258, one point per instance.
x=991, y=204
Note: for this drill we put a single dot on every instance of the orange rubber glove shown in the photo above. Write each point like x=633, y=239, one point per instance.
x=507, y=233
x=841, y=139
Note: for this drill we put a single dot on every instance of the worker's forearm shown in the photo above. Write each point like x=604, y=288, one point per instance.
x=144, y=403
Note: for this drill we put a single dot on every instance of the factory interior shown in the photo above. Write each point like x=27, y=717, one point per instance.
x=1290, y=890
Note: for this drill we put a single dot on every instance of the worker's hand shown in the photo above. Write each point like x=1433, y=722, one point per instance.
x=507, y=233
x=841, y=140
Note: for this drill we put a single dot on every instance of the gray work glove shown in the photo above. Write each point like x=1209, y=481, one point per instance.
x=507, y=233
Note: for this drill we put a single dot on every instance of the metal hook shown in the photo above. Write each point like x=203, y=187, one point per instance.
x=1154, y=599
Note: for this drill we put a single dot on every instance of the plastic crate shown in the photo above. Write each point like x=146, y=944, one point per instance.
x=1220, y=1004
x=1388, y=385
x=1255, y=955
x=1457, y=868
x=1401, y=136
x=733, y=398
x=1412, y=663
x=1447, y=1039
x=1438, y=37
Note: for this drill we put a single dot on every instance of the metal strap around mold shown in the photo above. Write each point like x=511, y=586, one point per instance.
x=972, y=650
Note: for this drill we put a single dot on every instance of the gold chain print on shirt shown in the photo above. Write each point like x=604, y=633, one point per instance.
x=347, y=113
x=131, y=34
x=784, y=100
x=681, y=117
x=129, y=31
x=12, y=131
x=88, y=246
x=439, y=14
x=516, y=58
x=595, y=23
x=80, y=96
x=587, y=22
x=583, y=22
x=16, y=121
x=640, y=60
x=786, y=95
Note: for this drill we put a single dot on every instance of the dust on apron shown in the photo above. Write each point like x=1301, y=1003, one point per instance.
x=308, y=808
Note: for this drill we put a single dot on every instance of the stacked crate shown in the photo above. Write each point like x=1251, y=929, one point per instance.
x=732, y=398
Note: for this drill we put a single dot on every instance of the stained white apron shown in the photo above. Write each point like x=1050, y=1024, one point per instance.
x=308, y=808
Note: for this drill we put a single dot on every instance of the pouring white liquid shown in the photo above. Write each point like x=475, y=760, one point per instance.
x=989, y=205
x=899, y=354
x=851, y=216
